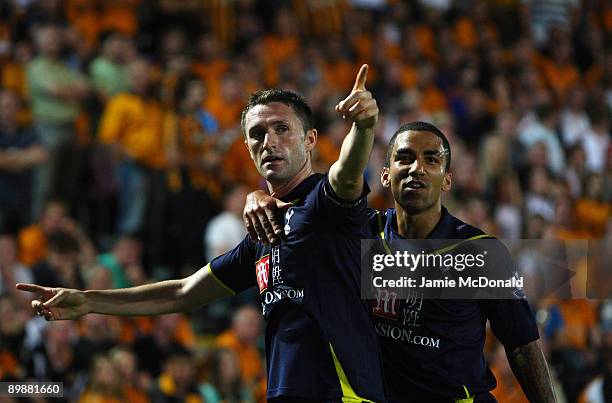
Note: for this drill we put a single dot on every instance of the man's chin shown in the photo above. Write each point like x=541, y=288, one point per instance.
x=413, y=205
x=272, y=175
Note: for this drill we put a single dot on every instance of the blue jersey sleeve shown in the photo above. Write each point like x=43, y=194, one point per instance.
x=235, y=269
x=511, y=318
x=512, y=321
x=334, y=209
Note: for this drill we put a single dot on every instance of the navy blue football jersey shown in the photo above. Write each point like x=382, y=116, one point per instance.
x=320, y=341
x=433, y=348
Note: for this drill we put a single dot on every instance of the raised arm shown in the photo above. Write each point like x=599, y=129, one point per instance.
x=346, y=174
x=169, y=296
x=529, y=366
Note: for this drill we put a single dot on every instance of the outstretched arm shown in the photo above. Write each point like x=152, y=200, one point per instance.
x=529, y=367
x=169, y=296
x=346, y=174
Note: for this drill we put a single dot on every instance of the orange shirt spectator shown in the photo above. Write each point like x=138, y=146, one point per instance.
x=120, y=15
x=363, y=45
x=593, y=215
x=195, y=147
x=409, y=76
x=579, y=319
x=465, y=33
x=136, y=125
x=339, y=74
x=426, y=41
x=432, y=100
x=508, y=389
x=33, y=239
x=14, y=78
x=560, y=76
x=241, y=338
x=32, y=245
x=251, y=366
x=83, y=15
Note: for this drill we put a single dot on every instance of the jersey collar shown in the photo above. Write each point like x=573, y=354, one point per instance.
x=441, y=230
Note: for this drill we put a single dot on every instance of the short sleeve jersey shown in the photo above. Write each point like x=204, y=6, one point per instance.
x=433, y=348
x=320, y=342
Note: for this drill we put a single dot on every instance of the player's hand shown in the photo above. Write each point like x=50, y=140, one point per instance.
x=359, y=107
x=57, y=303
x=263, y=216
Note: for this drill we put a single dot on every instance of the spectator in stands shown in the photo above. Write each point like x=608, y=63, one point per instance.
x=542, y=130
x=33, y=239
x=20, y=153
x=108, y=71
x=13, y=318
x=154, y=349
x=599, y=390
x=98, y=334
x=242, y=340
x=54, y=358
x=177, y=382
x=104, y=383
x=11, y=270
x=225, y=229
x=195, y=149
x=55, y=92
x=132, y=125
x=124, y=363
x=574, y=119
x=223, y=383
x=596, y=139
x=124, y=262
x=61, y=267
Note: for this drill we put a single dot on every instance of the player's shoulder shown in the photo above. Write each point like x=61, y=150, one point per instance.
x=459, y=229
x=479, y=239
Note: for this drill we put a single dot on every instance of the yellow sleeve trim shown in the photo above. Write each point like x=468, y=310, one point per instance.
x=468, y=399
x=451, y=247
x=221, y=283
x=348, y=393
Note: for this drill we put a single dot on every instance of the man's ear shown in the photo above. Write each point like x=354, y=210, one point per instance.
x=447, y=182
x=384, y=177
x=310, y=139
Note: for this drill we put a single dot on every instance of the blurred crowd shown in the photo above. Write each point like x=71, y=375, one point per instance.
x=122, y=162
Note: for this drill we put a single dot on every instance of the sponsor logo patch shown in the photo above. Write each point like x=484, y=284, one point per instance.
x=262, y=272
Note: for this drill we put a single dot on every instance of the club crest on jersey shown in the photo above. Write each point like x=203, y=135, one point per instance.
x=262, y=272
x=288, y=216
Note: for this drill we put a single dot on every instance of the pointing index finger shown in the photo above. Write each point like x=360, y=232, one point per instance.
x=30, y=288
x=362, y=76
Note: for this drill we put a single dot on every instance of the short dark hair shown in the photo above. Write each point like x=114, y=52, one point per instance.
x=291, y=99
x=420, y=127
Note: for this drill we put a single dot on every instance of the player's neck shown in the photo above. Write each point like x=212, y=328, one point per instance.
x=419, y=225
x=280, y=190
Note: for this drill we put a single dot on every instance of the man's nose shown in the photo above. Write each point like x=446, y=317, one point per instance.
x=417, y=167
x=270, y=140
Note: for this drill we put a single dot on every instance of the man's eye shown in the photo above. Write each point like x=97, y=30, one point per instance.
x=257, y=134
x=282, y=129
x=432, y=160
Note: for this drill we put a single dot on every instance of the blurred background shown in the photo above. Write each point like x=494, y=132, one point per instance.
x=122, y=163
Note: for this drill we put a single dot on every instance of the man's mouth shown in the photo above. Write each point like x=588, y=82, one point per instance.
x=415, y=185
x=270, y=159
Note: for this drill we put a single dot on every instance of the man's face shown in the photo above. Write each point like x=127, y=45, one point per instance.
x=276, y=141
x=416, y=173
